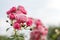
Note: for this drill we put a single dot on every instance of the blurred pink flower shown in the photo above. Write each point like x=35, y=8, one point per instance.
x=22, y=9
x=35, y=35
x=41, y=29
x=38, y=23
x=45, y=31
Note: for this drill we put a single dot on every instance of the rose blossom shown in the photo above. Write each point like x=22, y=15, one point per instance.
x=29, y=21
x=22, y=9
x=38, y=23
x=11, y=16
x=20, y=18
x=8, y=12
x=35, y=35
x=13, y=9
x=45, y=31
x=41, y=28
x=44, y=34
x=18, y=12
x=16, y=26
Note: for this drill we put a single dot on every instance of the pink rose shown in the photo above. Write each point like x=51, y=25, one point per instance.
x=18, y=12
x=8, y=12
x=41, y=29
x=43, y=37
x=16, y=26
x=35, y=35
x=20, y=18
x=11, y=16
x=29, y=21
x=22, y=9
x=13, y=9
x=45, y=31
x=38, y=23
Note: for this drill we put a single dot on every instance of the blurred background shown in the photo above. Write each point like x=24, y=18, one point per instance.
x=48, y=11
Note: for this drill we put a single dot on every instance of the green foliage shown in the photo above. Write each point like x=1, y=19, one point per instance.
x=8, y=29
x=4, y=38
x=20, y=37
x=52, y=35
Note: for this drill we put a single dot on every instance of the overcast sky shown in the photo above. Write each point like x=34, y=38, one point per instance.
x=48, y=11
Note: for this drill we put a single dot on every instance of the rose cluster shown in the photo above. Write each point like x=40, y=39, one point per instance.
x=39, y=34
x=18, y=16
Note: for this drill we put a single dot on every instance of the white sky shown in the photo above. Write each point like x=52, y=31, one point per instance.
x=46, y=10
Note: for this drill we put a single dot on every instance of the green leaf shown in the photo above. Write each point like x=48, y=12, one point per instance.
x=8, y=29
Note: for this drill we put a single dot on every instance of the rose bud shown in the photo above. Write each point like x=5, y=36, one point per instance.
x=11, y=16
x=8, y=12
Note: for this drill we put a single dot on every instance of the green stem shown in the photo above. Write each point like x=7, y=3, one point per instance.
x=12, y=21
x=15, y=33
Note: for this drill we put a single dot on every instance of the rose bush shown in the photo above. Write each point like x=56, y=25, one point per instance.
x=19, y=20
